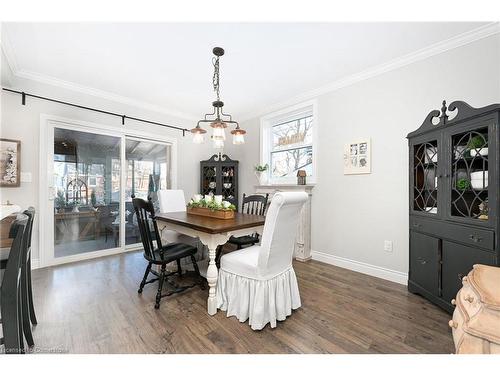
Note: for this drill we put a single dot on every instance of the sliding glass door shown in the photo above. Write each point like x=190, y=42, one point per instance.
x=148, y=170
x=91, y=177
x=87, y=192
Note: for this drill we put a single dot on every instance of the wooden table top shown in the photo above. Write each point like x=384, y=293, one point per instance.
x=212, y=225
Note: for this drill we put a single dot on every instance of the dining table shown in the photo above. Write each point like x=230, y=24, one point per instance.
x=7, y=216
x=212, y=232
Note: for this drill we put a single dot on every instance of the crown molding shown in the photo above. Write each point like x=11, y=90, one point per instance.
x=41, y=78
x=422, y=54
x=8, y=51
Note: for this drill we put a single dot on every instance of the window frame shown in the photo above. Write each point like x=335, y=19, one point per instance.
x=291, y=113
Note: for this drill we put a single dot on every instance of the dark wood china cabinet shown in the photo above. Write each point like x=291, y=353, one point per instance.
x=219, y=176
x=454, y=190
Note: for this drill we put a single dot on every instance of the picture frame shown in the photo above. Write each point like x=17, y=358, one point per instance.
x=10, y=162
x=357, y=157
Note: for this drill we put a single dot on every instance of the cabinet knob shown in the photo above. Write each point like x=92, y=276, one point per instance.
x=475, y=238
x=421, y=260
x=452, y=324
x=416, y=225
x=453, y=302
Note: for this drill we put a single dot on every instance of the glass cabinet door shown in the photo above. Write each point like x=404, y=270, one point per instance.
x=424, y=177
x=209, y=180
x=470, y=197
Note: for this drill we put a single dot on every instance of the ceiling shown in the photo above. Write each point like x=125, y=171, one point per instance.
x=169, y=65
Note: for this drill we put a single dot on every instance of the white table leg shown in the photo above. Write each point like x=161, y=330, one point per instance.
x=212, y=280
x=212, y=241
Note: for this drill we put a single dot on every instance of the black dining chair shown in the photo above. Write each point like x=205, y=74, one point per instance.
x=160, y=254
x=254, y=205
x=10, y=291
x=29, y=316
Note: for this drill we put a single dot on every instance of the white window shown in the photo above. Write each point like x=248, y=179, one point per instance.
x=288, y=143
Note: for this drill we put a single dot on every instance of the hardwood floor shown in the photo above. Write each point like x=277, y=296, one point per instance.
x=93, y=307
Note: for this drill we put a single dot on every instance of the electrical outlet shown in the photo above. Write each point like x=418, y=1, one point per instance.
x=388, y=246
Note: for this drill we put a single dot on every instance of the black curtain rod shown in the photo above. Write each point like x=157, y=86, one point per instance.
x=123, y=117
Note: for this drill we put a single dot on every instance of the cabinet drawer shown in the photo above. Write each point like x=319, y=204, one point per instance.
x=467, y=235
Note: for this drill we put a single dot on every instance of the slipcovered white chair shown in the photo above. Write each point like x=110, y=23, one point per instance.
x=174, y=201
x=258, y=283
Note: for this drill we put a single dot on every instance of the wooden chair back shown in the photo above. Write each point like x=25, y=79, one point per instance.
x=10, y=291
x=148, y=228
x=254, y=204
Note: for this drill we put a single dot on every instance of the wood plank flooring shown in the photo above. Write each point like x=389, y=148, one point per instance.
x=93, y=307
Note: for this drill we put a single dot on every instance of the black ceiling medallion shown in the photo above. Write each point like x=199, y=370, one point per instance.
x=218, y=119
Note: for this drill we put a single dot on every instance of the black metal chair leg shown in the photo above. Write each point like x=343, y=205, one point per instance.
x=20, y=320
x=218, y=254
x=179, y=268
x=30, y=296
x=197, y=271
x=144, y=279
x=160, y=287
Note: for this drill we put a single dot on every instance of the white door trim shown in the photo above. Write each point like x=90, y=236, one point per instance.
x=46, y=226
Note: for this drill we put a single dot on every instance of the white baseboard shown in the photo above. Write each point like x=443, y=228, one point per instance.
x=369, y=269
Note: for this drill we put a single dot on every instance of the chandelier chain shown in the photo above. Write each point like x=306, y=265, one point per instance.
x=215, y=79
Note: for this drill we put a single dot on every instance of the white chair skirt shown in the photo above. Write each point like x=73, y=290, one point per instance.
x=259, y=301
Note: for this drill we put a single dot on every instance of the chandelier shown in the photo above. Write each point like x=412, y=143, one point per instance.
x=218, y=119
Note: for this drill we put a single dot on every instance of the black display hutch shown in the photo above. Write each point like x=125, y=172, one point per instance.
x=454, y=190
x=219, y=176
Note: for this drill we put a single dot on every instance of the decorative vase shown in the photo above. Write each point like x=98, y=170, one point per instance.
x=262, y=177
x=75, y=209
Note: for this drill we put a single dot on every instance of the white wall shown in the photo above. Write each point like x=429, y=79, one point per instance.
x=23, y=123
x=352, y=215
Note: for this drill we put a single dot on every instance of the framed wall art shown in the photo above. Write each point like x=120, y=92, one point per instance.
x=357, y=157
x=10, y=163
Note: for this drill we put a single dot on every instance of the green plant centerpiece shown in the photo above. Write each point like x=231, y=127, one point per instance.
x=463, y=184
x=211, y=203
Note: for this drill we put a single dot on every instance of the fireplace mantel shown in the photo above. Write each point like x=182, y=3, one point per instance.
x=303, y=241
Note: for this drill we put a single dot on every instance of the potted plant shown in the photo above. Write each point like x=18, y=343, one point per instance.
x=93, y=199
x=476, y=146
x=261, y=173
x=463, y=184
x=60, y=201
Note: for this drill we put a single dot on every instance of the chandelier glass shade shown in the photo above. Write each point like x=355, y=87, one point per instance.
x=238, y=136
x=218, y=120
x=198, y=134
